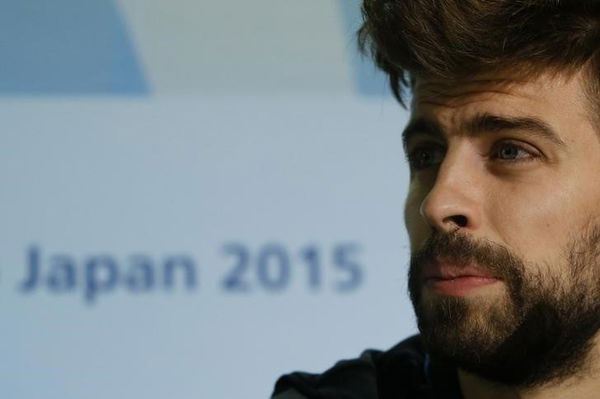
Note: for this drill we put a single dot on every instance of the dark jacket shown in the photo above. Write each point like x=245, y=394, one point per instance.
x=403, y=372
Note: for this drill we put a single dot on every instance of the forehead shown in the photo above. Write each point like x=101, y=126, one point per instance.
x=545, y=95
x=557, y=101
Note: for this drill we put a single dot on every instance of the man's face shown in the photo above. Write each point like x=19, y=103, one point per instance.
x=503, y=214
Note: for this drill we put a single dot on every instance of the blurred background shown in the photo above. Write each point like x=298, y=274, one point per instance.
x=197, y=197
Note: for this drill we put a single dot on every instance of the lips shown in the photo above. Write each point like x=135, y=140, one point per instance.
x=448, y=271
x=456, y=280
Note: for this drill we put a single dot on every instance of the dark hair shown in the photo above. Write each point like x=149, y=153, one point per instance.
x=455, y=39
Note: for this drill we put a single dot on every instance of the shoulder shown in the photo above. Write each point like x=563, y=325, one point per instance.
x=374, y=375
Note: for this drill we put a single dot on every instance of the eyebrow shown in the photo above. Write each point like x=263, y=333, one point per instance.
x=484, y=123
x=421, y=126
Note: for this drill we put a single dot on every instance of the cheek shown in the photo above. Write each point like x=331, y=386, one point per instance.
x=538, y=220
x=417, y=228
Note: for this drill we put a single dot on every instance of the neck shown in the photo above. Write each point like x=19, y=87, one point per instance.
x=583, y=385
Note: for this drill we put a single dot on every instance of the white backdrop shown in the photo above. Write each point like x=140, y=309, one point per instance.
x=223, y=206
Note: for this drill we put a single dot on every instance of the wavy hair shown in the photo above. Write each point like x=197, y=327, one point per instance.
x=455, y=39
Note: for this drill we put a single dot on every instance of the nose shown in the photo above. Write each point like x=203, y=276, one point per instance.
x=454, y=200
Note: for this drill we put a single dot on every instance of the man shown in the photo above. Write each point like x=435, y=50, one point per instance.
x=503, y=210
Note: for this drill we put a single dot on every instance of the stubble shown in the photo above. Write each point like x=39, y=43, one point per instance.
x=538, y=330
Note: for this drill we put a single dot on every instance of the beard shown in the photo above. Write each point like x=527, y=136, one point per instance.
x=539, y=330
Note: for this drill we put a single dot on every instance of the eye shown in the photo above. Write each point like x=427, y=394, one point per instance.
x=513, y=152
x=425, y=157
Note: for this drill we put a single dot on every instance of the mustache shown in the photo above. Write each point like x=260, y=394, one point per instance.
x=461, y=250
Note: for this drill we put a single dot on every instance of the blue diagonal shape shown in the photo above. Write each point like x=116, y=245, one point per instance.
x=75, y=47
x=369, y=81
